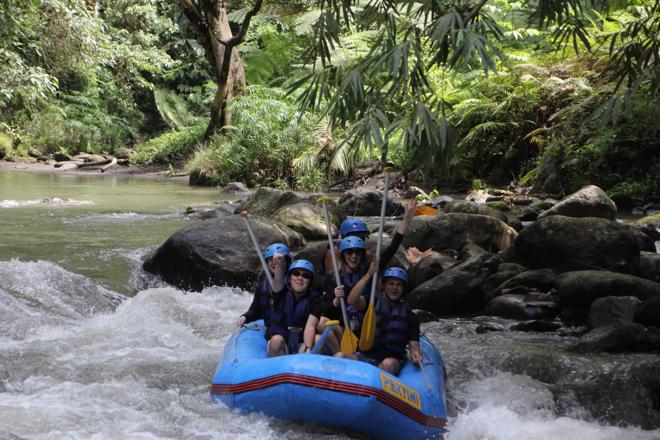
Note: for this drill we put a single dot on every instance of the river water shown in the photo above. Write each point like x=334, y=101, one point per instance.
x=93, y=348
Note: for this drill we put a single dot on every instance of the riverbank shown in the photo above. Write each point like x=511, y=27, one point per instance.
x=70, y=168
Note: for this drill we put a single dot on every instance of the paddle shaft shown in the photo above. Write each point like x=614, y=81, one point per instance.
x=264, y=266
x=334, y=265
x=379, y=242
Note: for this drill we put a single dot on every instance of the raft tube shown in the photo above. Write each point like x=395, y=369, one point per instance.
x=342, y=393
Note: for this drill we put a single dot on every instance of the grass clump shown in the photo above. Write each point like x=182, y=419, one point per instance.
x=170, y=147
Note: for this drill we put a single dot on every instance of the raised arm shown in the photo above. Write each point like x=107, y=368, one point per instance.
x=355, y=298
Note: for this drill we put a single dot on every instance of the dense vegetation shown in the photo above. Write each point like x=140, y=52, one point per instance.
x=551, y=93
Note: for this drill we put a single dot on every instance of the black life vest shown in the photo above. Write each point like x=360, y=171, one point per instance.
x=289, y=313
x=264, y=299
x=392, y=329
x=349, y=280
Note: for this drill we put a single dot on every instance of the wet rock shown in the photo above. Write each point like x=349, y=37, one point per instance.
x=585, y=286
x=653, y=220
x=123, y=153
x=429, y=267
x=223, y=210
x=61, y=157
x=612, y=310
x=541, y=279
x=528, y=215
x=648, y=312
x=43, y=159
x=618, y=338
x=306, y=219
x=455, y=230
x=217, y=251
x=590, y=201
x=235, y=188
x=514, y=306
x=489, y=327
x=476, y=208
x=539, y=326
x=500, y=205
x=649, y=266
x=364, y=204
x=425, y=316
x=33, y=152
x=567, y=243
x=458, y=289
x=441, y=201
x=201, y=178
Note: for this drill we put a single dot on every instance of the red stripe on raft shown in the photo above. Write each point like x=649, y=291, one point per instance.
x=331, y=385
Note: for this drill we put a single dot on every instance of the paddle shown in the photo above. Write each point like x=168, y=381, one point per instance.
x=348, y=343
x=264, y=266
x=369, y=323
x=319, y=344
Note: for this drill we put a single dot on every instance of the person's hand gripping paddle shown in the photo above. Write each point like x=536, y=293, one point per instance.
x=369, y=323
x=349, y=341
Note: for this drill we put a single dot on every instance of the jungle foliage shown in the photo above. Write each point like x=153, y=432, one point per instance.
x=543, y=92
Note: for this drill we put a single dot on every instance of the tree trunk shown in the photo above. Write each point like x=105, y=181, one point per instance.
x=228, y=71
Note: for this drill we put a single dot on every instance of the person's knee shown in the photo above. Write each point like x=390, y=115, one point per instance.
x=390, y=364
x=276, y=345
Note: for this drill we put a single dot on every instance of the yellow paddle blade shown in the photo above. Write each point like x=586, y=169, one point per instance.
x=349, y=342
x=322, y=200
x=388, y=169
x=331, y=323
x=368, y=329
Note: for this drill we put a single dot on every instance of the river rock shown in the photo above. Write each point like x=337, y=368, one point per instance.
x=515, y=306
x=458, y=289
x=590, y=201
x=364, y=204
x=537, y=325
x=475, y=208
x=566, y=243
x=612, y=310
x=455, y=230
x=428, y=267
x=585, y=286
x=216, y=252
x=541, y=279
x=235, y=188
x=649, y=266
x=61, y=157
x=265, y=201
x=621, y=337
x=649, y=312
x=33, y=152
x=306, y=219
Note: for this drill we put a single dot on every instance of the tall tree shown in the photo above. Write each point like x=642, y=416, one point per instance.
x=210, y=20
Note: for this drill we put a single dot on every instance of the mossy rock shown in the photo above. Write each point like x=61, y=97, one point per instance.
x=650, y=220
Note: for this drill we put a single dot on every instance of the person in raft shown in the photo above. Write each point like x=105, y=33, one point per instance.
x=351, y=227
x=397, y=325
x=296, y=310
x=353, y=268
x=262, y=300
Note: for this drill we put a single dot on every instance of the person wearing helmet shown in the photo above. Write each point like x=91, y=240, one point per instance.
x=397, y=325
x=354, y=263
x=296, y=306
x=278, y=258
x=351, y=227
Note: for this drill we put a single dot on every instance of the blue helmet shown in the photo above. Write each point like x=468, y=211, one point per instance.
x=396, y=272
x=277, y=248
x=302, y=264
x=353, y=226
x=351, y=242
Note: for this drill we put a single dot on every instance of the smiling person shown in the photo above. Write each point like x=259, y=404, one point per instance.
x=296, y=306
x=278, y=258
x=397, y=325
x=354, y=265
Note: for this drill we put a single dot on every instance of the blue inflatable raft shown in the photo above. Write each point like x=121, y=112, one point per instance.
x=343, y=393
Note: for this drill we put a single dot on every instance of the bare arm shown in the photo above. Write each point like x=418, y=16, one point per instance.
x=355, y=298
x=310, y=331
x=411, y=208
x=278, y=276
x=415, y=352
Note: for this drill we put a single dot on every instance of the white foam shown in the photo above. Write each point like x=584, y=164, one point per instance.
x=50, y=201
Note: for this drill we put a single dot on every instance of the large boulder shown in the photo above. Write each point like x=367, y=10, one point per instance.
x=649, y=312
x=458, y=289
x=618, y=338
x=541, y=279
x=216, y=252
x=428, y=267
x=476, y=208
x=649, y=266
x=455, y=230
x=266, y=201
x=567, y=243
x=306, y=218
x=364, y=204
x=585, y=286
x=612, y=310
x=590, y=201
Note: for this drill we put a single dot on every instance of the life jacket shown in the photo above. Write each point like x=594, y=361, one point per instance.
x=287, y=313
x=392, y=332
x=264, y=299
x=349, y=280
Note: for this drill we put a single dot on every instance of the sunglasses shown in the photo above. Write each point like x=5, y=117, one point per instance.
x=301, y=273
x=354, y=251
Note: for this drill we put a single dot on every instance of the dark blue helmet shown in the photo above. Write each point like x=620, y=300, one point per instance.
x=353, y=226
x=302, y=264
x=396, y=272
x=351, y=242
x=276, y=248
